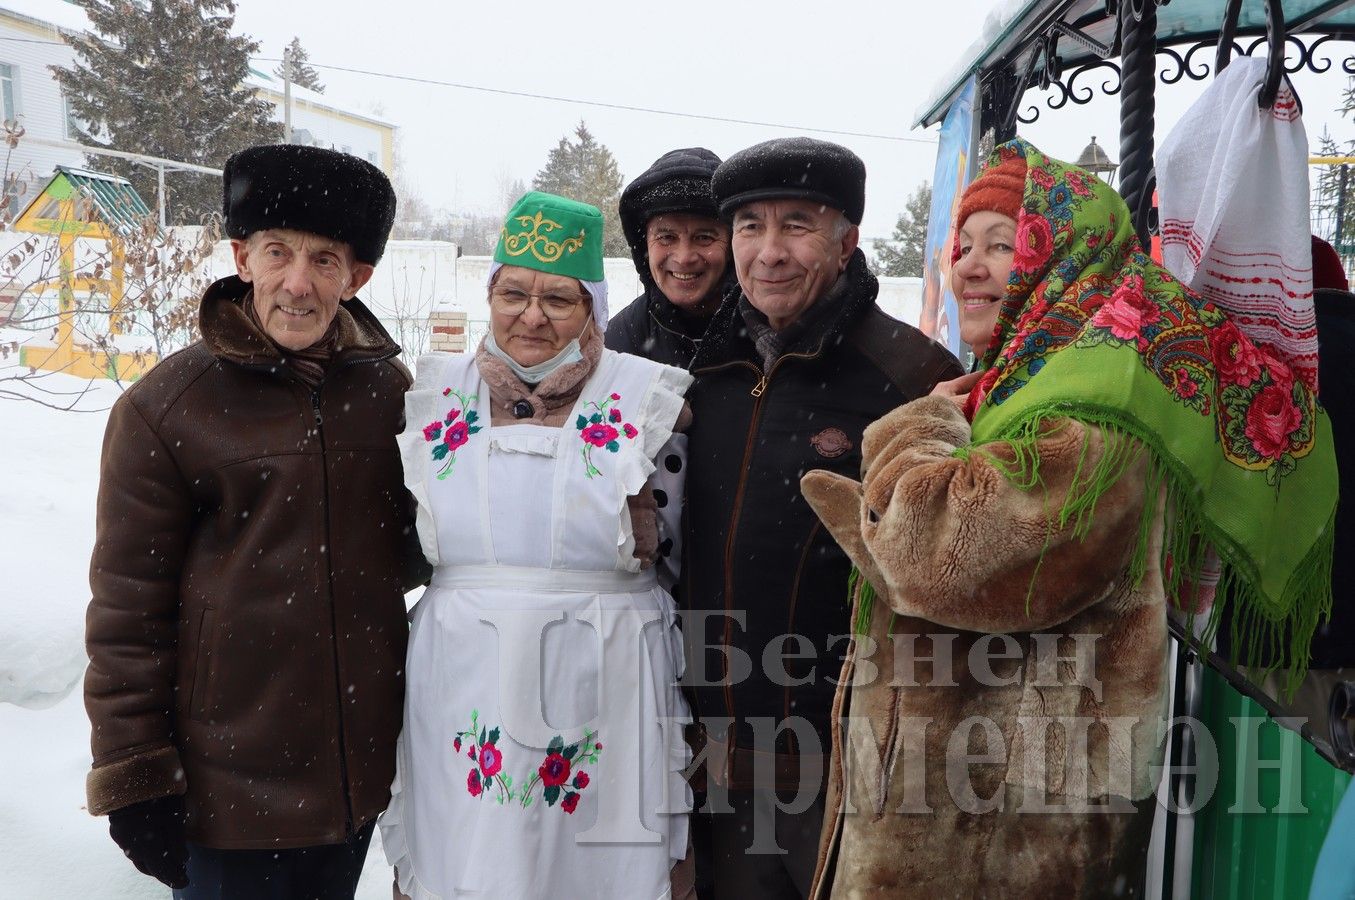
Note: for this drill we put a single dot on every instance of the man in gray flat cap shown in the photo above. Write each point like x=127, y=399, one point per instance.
x=791, y=371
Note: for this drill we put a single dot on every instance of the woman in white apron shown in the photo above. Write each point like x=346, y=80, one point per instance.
x=542, y=748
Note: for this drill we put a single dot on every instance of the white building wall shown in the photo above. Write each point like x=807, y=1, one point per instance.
x=34, y=29
x=327, y=130
x=38, y=101
x=320, y=127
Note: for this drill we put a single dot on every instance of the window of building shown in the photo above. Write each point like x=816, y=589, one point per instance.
x=371, y=157
x=9, y=92
x=74, y=128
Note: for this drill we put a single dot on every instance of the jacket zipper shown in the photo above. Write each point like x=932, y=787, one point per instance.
x=732, y=738
x=329, y=569
x=333, y=622
x=757, y=392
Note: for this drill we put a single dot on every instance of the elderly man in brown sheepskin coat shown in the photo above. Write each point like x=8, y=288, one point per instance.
x=247, y=626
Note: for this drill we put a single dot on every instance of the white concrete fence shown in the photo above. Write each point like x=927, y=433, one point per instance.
x=427, y=297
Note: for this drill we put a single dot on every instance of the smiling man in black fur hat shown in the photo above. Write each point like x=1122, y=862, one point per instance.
x=254, y=540
x=794, y=366
x=681, y=250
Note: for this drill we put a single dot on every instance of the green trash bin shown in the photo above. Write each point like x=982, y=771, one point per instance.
x=1259, y=835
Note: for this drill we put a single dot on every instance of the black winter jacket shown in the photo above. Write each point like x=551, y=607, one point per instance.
x=754, y=547
x=1333, y=644
x=651, y=326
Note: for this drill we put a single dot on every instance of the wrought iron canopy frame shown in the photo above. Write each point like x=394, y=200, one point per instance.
x=1195, y=61
x=1130, y=65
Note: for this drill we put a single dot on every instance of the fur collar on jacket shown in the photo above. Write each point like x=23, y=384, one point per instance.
x=231, y=336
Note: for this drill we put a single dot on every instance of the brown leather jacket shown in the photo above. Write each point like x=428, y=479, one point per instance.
x=247, y=630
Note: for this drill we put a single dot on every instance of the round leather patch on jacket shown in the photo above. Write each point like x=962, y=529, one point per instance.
x=831, y=443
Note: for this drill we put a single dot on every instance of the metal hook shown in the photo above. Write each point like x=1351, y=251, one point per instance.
x=1227, y=30
x=1275, y=47
x=1275, y=42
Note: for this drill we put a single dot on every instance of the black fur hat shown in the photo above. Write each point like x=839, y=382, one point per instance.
x=678, y=181
x=325, y=192
x=797, y=168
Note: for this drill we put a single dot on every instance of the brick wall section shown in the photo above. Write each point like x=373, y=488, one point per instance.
x=448, y=331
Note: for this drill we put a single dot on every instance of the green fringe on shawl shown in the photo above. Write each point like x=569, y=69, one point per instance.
x=1259, y=639
x=858, y=586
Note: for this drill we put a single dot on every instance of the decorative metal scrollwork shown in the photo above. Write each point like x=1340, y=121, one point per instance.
x=1299, y=56
x=1293, y=62
x=1174, y=64
x=1110, y=87
x=1311, y=62
x=1186, y=65
x=1071, y=91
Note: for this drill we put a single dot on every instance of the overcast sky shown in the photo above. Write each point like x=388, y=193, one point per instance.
x=846, y=65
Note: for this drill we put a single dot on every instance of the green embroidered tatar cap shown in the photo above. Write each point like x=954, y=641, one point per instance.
x=553, y=234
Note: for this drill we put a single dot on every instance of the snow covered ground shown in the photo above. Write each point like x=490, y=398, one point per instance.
x=49, y=471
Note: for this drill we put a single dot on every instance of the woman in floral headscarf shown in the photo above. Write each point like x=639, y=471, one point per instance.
x=1117, y=427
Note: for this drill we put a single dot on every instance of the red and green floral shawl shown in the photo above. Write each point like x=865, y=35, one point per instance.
x=1092, y=329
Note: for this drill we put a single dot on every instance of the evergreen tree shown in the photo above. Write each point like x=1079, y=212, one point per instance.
x=509, y=192
x=905, y=253
x=303, y=74
x=1334, y=197
x=585, y=170
x=166, y=78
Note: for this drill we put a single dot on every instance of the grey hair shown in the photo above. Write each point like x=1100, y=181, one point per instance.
x=841, y=226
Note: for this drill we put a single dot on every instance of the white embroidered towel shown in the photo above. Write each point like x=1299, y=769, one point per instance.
x=1233, y=201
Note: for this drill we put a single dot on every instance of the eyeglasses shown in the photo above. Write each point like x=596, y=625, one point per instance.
x=512, y=302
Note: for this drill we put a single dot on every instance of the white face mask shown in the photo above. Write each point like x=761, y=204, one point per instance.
x=570, y=353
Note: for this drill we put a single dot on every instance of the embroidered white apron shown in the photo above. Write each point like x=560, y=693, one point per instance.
x=523, y=729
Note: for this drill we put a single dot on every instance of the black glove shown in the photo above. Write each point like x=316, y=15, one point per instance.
x=151, y=835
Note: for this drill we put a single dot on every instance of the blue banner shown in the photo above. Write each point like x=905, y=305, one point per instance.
x=954, y=163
